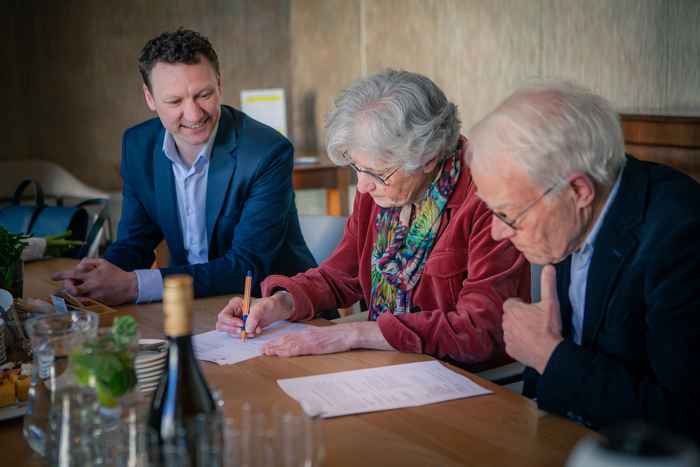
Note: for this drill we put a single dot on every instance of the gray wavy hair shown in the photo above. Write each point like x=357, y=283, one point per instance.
x=401, y=118
x=553, y=129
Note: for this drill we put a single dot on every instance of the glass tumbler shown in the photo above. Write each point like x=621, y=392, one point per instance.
x=53, y=337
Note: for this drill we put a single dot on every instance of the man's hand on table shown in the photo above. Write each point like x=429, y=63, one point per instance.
x=100, y=280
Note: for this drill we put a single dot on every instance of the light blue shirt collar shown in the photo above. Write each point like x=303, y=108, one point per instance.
x=171, y=152
x=580, y=264
x=593, y=234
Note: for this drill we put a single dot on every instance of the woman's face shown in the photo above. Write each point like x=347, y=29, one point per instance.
x=401, y=187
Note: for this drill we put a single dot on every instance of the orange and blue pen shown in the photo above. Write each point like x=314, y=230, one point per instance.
x=246, y=302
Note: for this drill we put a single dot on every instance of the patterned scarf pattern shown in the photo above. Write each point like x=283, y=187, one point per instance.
x=402, y=247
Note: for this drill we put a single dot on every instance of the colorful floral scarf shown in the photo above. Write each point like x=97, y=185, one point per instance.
x=402, y=247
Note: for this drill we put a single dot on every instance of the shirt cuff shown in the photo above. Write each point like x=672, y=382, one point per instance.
x=150, y=285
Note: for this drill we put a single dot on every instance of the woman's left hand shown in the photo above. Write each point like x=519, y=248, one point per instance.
x=315, y=341
x=328, y=339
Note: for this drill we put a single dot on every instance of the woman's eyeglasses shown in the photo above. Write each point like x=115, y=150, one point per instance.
x=383, y=178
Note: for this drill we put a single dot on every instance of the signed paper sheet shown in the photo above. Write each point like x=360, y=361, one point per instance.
x=224, y=349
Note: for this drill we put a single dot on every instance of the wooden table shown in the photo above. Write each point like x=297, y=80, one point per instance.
x=328, y=176
x=502, y=429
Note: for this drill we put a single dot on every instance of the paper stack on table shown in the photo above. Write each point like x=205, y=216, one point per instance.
x=224, y=349
x=383, y=388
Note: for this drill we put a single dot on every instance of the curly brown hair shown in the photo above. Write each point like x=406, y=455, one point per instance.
x=182, y=46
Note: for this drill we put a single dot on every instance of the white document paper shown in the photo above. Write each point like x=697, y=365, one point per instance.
x=267, y=106
x=224, y=349
x=374, y=389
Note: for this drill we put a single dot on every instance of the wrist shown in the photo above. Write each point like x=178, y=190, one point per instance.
x=285, y=303
x=547, y=354
x=132, y=287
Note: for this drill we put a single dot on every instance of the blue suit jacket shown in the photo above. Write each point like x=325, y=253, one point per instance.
x=251, y=216
x=639, y=357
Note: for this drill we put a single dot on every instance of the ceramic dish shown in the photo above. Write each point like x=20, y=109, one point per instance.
x=149, y=377
x=150, y=365
x=145, y=357
x=13, y=411
x=151, y=374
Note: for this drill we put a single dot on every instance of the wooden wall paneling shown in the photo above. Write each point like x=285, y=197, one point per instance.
x=670, y=140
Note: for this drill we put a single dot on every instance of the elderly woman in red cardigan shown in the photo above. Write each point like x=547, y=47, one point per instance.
x=417, y=247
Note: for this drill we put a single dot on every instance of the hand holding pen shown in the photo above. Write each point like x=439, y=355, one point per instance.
x=243, y=316
x=246, y=303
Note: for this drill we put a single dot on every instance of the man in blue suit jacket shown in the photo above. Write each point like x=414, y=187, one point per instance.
x=616, y=336
x=211, y=181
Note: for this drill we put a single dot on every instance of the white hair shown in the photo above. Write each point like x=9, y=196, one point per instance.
x=553, y=130
x=399, y=117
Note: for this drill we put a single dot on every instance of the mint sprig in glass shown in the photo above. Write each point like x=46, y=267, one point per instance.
x=107, y=363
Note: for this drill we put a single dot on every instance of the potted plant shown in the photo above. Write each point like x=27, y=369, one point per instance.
x=11, y=246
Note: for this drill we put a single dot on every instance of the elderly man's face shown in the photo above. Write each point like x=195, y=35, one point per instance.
x=401, y=187
x=187, y=99
x=548, y=226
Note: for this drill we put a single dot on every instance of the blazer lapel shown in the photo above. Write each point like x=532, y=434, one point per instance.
x=608, y=259
x=221, y=169
x=166, y=202
x=614, y=244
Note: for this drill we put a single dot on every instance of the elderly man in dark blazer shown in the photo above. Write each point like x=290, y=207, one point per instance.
x=616, y=335
x=211, y=181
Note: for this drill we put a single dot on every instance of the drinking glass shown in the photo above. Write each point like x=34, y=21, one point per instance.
x=73, y=437
x=53, y=337
x=276, y=437
x=106, y=365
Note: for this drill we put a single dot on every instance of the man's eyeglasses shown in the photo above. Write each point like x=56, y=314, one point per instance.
x=383, y=178
x=513, y=223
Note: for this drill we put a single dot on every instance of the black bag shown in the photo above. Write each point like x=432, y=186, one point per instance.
x=41, y=220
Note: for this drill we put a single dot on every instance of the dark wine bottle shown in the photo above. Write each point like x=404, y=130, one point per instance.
x=183, y=393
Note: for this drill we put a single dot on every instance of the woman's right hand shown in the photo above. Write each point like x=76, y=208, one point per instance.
x=263, y=312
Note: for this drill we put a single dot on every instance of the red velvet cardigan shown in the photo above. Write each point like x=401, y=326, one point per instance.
x=458, y=301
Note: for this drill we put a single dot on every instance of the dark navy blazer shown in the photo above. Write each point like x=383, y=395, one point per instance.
x=639, y=357
x=251, y=216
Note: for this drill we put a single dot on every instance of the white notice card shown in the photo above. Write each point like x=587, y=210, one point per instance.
x=224, y=349
x=267, y=106
x=374, y=389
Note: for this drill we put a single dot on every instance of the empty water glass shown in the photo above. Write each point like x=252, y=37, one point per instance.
x=53, y=337
x=72, y=422
x=276, y=437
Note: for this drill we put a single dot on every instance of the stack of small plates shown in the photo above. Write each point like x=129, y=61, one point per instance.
x=3, y=349
x=150, y=364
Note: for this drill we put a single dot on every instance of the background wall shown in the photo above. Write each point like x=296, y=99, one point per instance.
x=71, y=76
x=71, y=85
x=637, y=53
